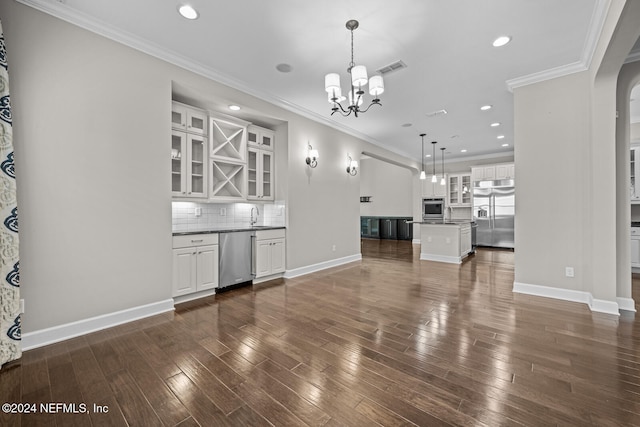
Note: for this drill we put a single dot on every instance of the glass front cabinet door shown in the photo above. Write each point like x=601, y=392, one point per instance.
x=260, y=174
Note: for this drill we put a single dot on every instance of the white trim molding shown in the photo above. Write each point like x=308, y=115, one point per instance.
x=296, y=272
x=596, y=305
x=67, y=331
x=59, y=10
x=627, y=304
x=596, y=25
x=441, y=258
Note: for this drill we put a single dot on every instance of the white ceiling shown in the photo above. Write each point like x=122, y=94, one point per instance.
x=445, y=44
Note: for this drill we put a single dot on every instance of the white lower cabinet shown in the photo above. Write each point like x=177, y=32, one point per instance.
x=269, y=253
x=635, y=247
x=195, y=263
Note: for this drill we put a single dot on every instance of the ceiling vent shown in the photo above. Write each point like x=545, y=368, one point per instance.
x=437, y=113
x=398, y=65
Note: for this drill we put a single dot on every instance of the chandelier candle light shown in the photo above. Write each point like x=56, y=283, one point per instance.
x=358, y=81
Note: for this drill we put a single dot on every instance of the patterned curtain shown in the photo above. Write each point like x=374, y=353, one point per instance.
x=10, y=333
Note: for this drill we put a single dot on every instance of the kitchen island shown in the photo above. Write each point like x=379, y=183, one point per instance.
x=445, y=241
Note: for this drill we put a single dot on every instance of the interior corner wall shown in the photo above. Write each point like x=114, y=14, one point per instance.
x=91, y=134
x=389, y=186
x=323, y=203
x=551, y=127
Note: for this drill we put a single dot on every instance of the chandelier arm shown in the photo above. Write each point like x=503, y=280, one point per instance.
x=372, y=103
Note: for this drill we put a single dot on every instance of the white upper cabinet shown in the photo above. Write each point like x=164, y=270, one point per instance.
x=434, y=189
x=188, y=152
x=493, y=172
x=260, y=137
x=259, y=174
x=459, y=194
x=507, y=171
x=188, y=119
x=483, y=173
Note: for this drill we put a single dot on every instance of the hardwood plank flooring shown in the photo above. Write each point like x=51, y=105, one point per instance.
x=390, y=341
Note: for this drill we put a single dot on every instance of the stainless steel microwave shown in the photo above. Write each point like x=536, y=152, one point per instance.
x=433, y=209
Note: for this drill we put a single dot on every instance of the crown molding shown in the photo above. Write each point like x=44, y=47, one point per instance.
x=58, y=10
x=593, y=35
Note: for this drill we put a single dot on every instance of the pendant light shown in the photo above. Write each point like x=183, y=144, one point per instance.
x=423, y=175
x=442, y=181
x=434, y=179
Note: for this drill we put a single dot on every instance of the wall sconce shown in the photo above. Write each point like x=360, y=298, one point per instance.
x=352, y=166
x=312, y=157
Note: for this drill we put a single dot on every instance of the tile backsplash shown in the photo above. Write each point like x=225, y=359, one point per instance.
x=223, y=215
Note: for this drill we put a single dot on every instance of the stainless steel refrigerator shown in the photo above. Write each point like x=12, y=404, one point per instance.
x=494, y=212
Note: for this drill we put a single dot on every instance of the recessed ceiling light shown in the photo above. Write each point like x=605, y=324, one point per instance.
x=407, y=125
x=234, y=107
x=501, y=41
x=284, y=68
x=486, y=107
x=500, y=137
x=463, y=151
x=505, y=145
x=188, y=11
x=496, y=124
x=428, y=155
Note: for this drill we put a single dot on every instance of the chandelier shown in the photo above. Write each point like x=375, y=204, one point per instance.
x=358, y=81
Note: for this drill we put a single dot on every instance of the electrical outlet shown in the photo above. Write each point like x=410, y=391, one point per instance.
x=22, y=306
x=223, y=211
x=198, y=211
x=568, y=271
x=333, y=248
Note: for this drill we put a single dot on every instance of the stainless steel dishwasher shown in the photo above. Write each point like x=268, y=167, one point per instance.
x=236, y=257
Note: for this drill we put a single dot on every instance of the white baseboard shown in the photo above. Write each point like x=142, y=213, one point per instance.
x=597, y=305
x=195, y=295
x=441, y=258
x=296, y=272
x=55, y=334
x=627, y=304
x=415, y=241
x=267, y=278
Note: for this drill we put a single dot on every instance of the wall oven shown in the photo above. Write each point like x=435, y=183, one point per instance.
x=433, y=209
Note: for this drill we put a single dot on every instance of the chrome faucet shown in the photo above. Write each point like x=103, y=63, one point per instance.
x=254, y=220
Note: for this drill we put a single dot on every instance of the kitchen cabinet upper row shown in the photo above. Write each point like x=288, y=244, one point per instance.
x=493, y=172
x=433, y=189
x=220, y=158
x=456, y=191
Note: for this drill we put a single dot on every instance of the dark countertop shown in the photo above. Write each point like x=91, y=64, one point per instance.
x=386, y=217
x=228, y=230
x=455, y=222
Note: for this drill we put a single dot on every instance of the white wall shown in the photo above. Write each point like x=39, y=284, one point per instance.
x=92, y=136
x=566, y=212
x=389, y=187
x=91, y=129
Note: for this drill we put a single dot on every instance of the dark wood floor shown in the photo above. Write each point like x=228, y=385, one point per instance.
x=390, y=341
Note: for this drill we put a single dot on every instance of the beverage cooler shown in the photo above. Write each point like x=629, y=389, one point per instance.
x=405, y=229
